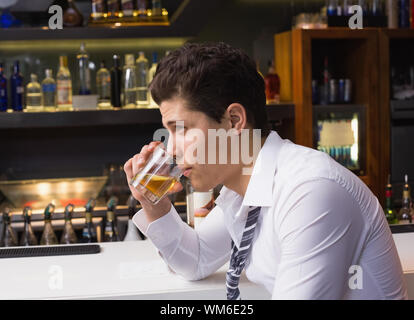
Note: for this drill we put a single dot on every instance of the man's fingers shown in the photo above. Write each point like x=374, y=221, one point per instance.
x=128, y=169
x=176, y=188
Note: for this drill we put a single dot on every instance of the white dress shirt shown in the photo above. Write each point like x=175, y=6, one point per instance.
x=317, y=220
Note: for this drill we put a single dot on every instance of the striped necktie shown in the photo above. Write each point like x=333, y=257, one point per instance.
x=238, y=257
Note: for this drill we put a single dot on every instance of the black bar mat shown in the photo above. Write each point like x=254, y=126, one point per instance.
x=402, y=228
x=49, y=251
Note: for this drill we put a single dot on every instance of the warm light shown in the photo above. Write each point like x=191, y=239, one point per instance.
x=43, y=189
x=118, y=24
x=354, y=148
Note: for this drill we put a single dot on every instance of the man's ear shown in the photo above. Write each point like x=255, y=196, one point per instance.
x=237, y=116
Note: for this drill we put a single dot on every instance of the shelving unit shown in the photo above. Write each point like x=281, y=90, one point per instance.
x=397, y=46
x=88, y=118
x=353, y=54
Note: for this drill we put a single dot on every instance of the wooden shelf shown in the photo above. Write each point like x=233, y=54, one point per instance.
x=87, y=118
x=299, y=56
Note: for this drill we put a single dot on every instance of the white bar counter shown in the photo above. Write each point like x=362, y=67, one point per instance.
x=132, y=270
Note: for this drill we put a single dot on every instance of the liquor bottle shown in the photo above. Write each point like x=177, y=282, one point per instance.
x=324, y=98
x=404, y=13
x=28, y=237
x=142, y=8
x=111, y=229
x=156, y=9
x=132, y=234
x=49, y=91
x=116, y=75
x=72, y=17
x=3, y=90
x=142, y=80
x=127, y=8
x=84, y=72
x=17, y=89
x=272, y=85
x=377, y=8
x=129, y=78
x=68, y=234
x=48, y=235
x=151, y=74
x=103, y=87
x=64, y=86
x=199, y=205
x=113, y=9
x=8, y=236
x=99, y=10
x=89, y=232
x=34, y=94
x=390, y=213
x=406, y=213
x=332, y=9
x=392, y=13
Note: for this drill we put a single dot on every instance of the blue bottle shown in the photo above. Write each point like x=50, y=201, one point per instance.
x=404, y=14
x=17, y=88
x=3, y=89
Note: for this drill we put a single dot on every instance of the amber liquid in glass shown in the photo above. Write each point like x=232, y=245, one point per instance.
x=158, y=185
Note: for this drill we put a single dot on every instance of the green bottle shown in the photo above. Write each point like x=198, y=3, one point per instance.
x=8, y=236
x=111, y=229
x=390, y=212
x=48, y=235
x=28, y=237
x=68, y=235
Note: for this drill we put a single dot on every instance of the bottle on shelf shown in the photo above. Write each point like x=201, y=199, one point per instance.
x=127, y=8
x=272, y=85
x=392, y=13
x=142, y=9
x=156, y=8
x=28, y=237
x=8, y=236
x=142, y=80
x=111, y=229
x=48, y=235
x=103, y=87
x=332, y=9
x=3, y=90
x=377, y=8
x=84, y=72
x=17, y=89
x=406, y=213
x=113, y=9
x=49, y=91
x=404, y=13
x=132, y=234
x=390, y=213
x=116, y=75
x=64, y=86
x=129, y=78
x=68, y=234
x=99, y=10
x=72, y=17
x=89, y=232
x=324, y=97
x=151, y=74
x=34, y=95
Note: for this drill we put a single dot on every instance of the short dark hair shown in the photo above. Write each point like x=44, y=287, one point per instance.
x=210, y=77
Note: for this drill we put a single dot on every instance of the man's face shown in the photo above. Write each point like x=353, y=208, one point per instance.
x=180, y=122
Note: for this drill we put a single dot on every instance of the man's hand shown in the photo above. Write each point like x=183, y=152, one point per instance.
x=132, y=167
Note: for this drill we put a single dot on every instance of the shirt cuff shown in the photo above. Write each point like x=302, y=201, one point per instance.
x=163, y=231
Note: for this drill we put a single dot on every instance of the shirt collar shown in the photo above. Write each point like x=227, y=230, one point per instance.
x=259, y=191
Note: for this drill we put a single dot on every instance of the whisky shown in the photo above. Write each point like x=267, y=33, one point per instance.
x=158, y=185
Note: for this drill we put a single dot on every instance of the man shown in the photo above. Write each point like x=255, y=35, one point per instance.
x=298, y=223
